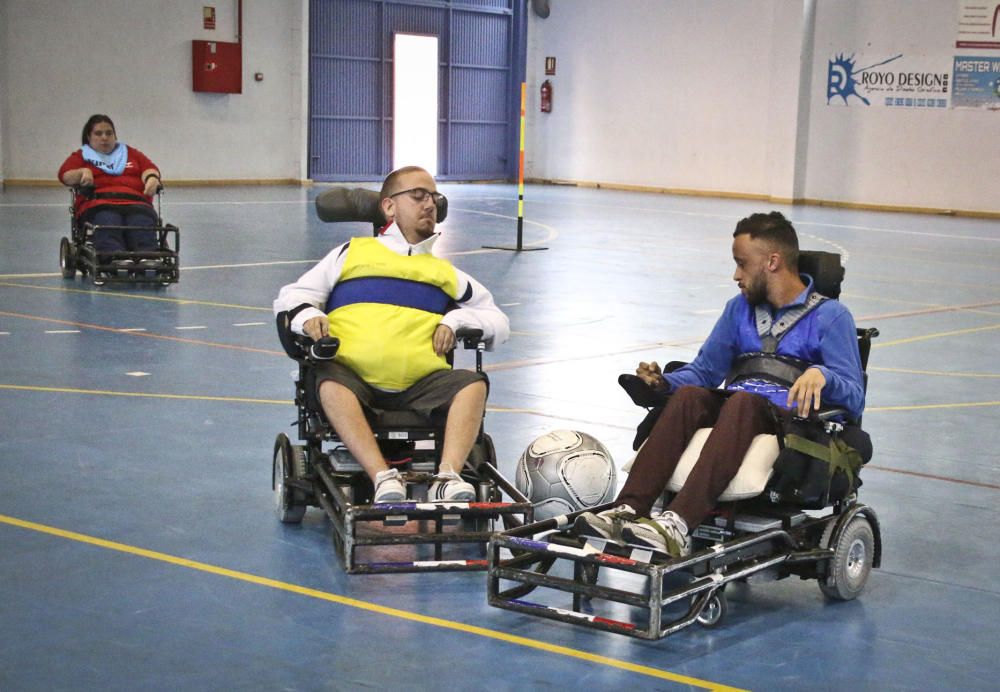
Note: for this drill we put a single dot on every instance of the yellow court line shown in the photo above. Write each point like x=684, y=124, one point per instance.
x=936, y=335
x=365, y=605
x=934, y=373
x=149, y=395
x=489, y=409
x=924, y=407
x=136, y=296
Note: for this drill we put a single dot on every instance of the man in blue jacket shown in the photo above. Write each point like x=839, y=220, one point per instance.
x=780, y=347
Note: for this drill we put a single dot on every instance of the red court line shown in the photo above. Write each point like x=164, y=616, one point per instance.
x=148, y=335
x=931, y=476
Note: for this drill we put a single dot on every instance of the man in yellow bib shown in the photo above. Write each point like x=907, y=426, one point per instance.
x=395, y=308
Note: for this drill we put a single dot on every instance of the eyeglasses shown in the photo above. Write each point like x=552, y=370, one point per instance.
x=419, y=194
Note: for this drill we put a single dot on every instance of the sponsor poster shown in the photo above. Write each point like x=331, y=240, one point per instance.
x=976, y=81
x=888, y=81
x=978, y=25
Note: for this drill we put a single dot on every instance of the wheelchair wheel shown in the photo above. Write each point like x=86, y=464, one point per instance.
x=483, y=452
x=67, y=259
x=848, y=571
x=288, y=460
x=714, y=611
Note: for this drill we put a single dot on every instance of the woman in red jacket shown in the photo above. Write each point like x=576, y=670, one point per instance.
x=124, y=182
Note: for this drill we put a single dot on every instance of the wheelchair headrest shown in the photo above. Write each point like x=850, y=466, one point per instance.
x=359, y=204
x=825, y=269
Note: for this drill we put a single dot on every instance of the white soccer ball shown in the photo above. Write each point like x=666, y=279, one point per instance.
x=565, y=471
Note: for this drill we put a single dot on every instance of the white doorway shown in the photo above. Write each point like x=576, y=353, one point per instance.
x=415, y=101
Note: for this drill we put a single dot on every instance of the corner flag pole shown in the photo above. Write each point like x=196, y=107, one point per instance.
x=520, y=184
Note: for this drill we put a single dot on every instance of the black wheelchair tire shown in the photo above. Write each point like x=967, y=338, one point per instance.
x=67, y=259
x=288, y=507
x=851, y=563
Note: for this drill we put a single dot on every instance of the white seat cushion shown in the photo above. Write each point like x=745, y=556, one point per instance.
x=750, y=480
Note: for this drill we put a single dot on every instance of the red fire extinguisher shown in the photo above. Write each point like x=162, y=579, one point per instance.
x=546, y=96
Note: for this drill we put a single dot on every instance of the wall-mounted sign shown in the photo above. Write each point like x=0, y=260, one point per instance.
x=976, y=82
x=208, y=17
x=978, y=25
x=550, y=65
x=894, y=81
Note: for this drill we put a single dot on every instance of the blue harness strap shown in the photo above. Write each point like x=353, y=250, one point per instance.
x=389, y=291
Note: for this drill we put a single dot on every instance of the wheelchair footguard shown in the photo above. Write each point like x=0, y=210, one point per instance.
x=160, y=266
x=636, y=592
x=334, y=482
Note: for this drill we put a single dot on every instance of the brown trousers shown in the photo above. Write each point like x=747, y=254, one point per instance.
x=735, y=421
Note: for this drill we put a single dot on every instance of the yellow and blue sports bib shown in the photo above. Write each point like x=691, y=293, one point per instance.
x=385, y=308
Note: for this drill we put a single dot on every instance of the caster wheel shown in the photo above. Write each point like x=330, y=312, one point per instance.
x=851, y=564
x=714, y=611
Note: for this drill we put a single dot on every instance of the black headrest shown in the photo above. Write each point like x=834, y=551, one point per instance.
x=825, y=269
x=359, y=204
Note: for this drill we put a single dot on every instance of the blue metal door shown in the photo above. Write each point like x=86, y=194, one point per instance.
x=482, y=57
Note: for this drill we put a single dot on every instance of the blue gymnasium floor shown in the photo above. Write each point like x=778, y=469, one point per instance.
x=140, y=551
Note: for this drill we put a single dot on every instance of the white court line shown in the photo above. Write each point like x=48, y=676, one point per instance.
x=4, y=333
x=249, y=324
x=133, y=329
x=62, y=331
x=201, y=326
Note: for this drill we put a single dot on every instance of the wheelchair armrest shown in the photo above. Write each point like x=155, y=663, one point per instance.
x=640, y=392
x=470, y=338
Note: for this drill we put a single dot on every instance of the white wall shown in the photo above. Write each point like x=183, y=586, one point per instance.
x=131, y=59
x=944, y=159
x=713, y=96
x=667, y=93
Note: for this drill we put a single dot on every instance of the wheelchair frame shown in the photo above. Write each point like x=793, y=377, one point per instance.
x=305, y=475
x=77, y=253
x=757, y=539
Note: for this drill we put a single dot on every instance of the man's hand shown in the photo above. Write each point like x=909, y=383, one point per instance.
x=651, y=374
x=316, y=327
x=444, y=339
x=86, y=177
x=152, y=183
x=804, y=394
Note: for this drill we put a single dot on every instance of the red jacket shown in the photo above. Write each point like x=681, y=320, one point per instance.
x=129, y=182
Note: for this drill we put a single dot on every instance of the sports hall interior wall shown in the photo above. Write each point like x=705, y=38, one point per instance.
x=714, y=98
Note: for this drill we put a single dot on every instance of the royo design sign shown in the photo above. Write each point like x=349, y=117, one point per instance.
x=908, y=85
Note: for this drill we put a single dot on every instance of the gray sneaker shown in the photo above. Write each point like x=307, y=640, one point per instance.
x=388, y=487
x=665, y=533
x=607, y=524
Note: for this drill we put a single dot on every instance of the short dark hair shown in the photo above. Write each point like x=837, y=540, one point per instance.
x=91, y=122
x=390, y=180
x=776, y=230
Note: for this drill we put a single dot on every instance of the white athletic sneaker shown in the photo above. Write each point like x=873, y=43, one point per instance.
x=666, y=533
x=607, y=524
x=448, y=486
x=388, y=487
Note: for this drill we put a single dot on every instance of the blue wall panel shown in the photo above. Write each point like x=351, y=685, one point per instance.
x=482, y=64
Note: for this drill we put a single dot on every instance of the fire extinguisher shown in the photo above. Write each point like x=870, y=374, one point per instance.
x=546, y=96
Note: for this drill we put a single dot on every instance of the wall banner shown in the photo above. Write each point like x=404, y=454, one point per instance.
x=976, y=82
x=890, y=81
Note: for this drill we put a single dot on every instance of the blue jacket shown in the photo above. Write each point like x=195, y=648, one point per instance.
x=826, y=338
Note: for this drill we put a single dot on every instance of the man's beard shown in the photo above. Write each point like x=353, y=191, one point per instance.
x=756, y=293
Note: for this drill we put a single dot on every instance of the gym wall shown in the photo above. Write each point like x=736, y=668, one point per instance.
x=731, y=98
